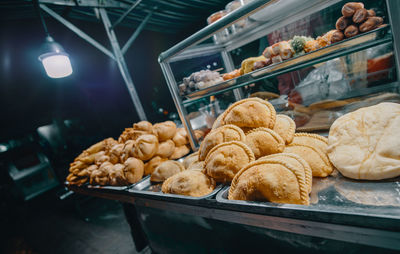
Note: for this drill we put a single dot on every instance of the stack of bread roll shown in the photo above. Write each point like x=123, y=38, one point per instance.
x=259, y=153
x=136, y=153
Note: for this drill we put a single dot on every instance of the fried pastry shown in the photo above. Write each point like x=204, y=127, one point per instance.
x=152, y=164
x=143, y=126
x=165, y=130
x=133, y=170
x=295, y=161
x=226, y=159
x=250, y=113
x=218, y=122
x=196, y=165
x=115, y=153
x=101, y=157
x=166, y=148
x=318, y=160
x=271, y=180
x=145, y=147
x=166, y=169
x=189, y=183
x=311, y=139
x=179, y=152
x=285, y=127
x=263, y=141
x=190, y=158
x=220, y=135
x=127, y=150
x=116, y=176
x=180, y=138
x=364, y=144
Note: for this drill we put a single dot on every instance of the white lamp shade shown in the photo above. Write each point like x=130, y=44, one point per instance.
x=57, y=65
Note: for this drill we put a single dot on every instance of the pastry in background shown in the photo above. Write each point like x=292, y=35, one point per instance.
x=220, y=135
x=179, y=152
x=248, y=64
x=364, y=144
x=143, y=126
x=165, y=149
x=231, y=75
x=151, y=165
x=133, y=170
x=116, y=176
x=196, y=165
x=226, y=159
x=311, y=139
x=264, y=95
x=180, y=138
x=285, y=50
x=165, y=130
x=165, y=170
x=311, y=45
x=272, y=180
x=115, y=153
x=263, y=141
x=189, y=183
x=285, y=127
x=145, y=147
x=190, y=158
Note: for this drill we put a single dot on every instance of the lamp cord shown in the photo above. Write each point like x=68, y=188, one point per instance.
x=37, y=7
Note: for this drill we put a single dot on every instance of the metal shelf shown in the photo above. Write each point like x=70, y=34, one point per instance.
x=345, y=47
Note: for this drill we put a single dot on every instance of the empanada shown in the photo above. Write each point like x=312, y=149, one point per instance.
x=190, y=158
x=220, y=135
x=116, y=176
x=226, y=159
x=152, y=164
x=127, y=150
x=196, y=165
x=311, y=139
x=180, y=138
x=133, y=170
x=189, y=183
x=263, y=141
x=318, y=161
x=250, y=113
x=271, y=180
x=145, y=147
x=100, y=157
x=365, y=144
x=297, y=162
x=165, y=130
x=143, y=126
x=166, y=148
x=115, y=153
x=165, y=170
x=285, y=127
x=179, y=152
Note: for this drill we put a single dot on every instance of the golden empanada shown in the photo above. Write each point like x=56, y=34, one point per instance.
x=250, y=113
x=196, y=165
x=190, y=158
x=115, y=153
x=152, y=164
x=166, y=148
x=263, y=141
x=143, y=126
x=297, y=162
x=165, y=130
x=285, y=127
x=127, y=150
x=311, y=139
x=318, y=161
x=226, y=159
x=165, y=170
x=180, y=138
x=100, y=157
x=220, y=135
x=179, y=152
x=189, y=183
x=270, y=180
x=145, y=147
x=116, y=176
x=133, y=170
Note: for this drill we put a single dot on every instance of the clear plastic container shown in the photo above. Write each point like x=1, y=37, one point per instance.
x=232, y=6
x=224, y=34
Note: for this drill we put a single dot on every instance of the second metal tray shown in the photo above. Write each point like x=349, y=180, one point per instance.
x=145, y=188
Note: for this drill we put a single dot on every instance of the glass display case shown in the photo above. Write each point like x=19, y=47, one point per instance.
x=328, y=75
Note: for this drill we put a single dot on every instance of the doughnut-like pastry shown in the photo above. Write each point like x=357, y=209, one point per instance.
x=285, y=127
x=165, y=130
x=220, y=135
x=189, y=183
x=133, y=170
x=166, y=148
x=151, y=165
x=165, y=170
x=145, y=147
x=318, y=160
x=179, y=152
x=250, y=113
x=226, y=159
x=264, y=141
x=272, y=180
x=364, y=144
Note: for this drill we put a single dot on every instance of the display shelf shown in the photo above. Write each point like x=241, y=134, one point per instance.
x=363, y=41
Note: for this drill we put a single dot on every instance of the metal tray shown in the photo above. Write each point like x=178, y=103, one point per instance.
x=340, y=195
x=145, y=188
x=107, y=188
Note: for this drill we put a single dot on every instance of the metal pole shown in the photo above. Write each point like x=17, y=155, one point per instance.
x=228, y=62
x=121, y=64
x=393, y=8
x=76, y=30
x=126, y=14
x=136, y=33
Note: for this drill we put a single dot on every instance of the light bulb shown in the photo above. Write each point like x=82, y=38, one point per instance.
x=57, y=66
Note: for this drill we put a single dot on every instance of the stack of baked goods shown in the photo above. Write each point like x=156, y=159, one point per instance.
x=138, y=151
x=199, y=80
x=259, y=152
